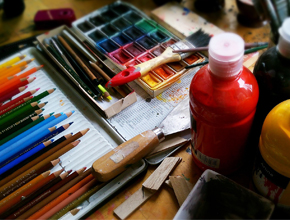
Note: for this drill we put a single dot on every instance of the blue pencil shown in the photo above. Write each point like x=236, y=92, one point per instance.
x=22, y=144
x=24, y=156
x=29, y=131
x=36, y=143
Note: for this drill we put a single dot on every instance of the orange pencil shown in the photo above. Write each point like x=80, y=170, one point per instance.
x=7, y=89
x=9, y=68
x=12, y=72
x=13, y=82
x=28, y=191
x=22, y=189
x=77, y=193
x=61, y=198
x=27, y=73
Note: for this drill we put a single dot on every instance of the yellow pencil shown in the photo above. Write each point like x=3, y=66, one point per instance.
x=14, y=66
x=12, y=61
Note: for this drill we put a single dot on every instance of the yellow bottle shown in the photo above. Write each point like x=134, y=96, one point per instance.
x=271, y=174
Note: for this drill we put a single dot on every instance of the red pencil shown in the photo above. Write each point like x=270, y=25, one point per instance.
x=12, y=93
x=6, y=89
x=18, y=101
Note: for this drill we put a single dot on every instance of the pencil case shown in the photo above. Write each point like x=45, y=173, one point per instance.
x=126, y=37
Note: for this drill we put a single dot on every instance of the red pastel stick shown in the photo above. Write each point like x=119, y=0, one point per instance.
x=15, y=102
x=12, y=93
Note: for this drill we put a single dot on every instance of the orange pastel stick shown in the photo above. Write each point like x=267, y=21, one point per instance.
x=62, y=197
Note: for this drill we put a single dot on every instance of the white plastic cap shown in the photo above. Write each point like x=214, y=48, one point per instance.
x=284, y=39
x=226, y=53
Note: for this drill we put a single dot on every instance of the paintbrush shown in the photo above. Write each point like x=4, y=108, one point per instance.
x=197, y=39
x=251, y=50
x=197, y=49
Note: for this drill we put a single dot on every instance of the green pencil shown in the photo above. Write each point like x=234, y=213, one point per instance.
x=34, y=99
x=25, y=110
x=19, y=131
x=23, y=117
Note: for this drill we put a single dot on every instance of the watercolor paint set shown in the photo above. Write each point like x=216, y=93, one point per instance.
x=127, y=37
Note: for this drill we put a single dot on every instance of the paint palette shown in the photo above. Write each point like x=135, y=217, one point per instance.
x=127, y=37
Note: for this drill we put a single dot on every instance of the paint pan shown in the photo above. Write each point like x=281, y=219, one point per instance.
x=157, y=51
x=150, y=80
x=121, y=24
x=133, y=17
x=147, y=42
x=191, y=59
x=109, y=15
x=134, y=33
x=145, y=58
x=121, y=56
x=108, y=45
x=132, y=63
x=177, y=66
x=97, y=36
x=159, y=36
x=122, y=39
x=85, y=26
x=168, y=43
x=163, y=71
x=97, y=21
x=134, y=49
x=145, y=26
x=120, y=8
x=109, y=30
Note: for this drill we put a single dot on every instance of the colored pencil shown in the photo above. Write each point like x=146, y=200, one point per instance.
x=16, y=126
x=4, y=77
x=76, y=199
x=16, y=210
x=7, y=189
x=49, y=158
x=14, y=83
x=11, y=124
x=30, y=125
x=19, y=191
x=37, y=154
x=12, y=61
x=6, y=89
x=27, y=142
x=46, y=194
x=16, y=102
x=36, y=163
x=26, y=192
x=9, y=95
x=58, y=206
x=83, y=76
x=58, y=196
x=23, y=63
x=23, y=157
x=33, y=148
x=68, y=69
x=107, y=78
x=26, y=73
x=34, y=99
x=16, y=115
x=93, y=78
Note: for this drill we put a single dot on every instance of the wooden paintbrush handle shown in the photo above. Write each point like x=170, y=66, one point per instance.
x=166, y=57
x=117, y=160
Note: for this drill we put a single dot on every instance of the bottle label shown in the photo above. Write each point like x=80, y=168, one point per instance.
x=269, y=183
x=208, y=161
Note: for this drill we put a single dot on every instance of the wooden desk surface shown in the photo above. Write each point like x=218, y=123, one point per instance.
x=163, y=205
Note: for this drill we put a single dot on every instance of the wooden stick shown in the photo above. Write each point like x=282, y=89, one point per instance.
x=154, y=182
x=181, y=188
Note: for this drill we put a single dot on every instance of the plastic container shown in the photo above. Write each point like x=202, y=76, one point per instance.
x=272, y=71
x=223, y=99
x=272, y=166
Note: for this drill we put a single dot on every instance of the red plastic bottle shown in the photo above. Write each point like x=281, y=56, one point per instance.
x=223, y=99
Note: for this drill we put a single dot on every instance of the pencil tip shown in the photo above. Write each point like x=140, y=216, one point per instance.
x=109, y=97
x=52, y=140
x=37, y=89
x=71, y=123
x=51, y=114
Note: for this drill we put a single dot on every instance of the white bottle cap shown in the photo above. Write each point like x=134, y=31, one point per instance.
x=226, y=53
x=284, y=39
